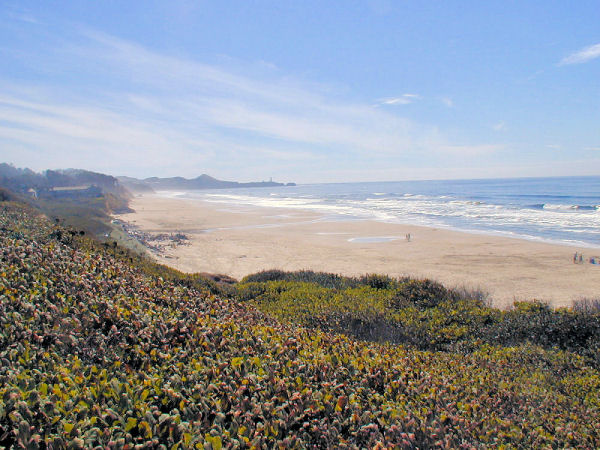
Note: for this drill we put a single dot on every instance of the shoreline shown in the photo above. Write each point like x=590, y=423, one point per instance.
x=238, y=240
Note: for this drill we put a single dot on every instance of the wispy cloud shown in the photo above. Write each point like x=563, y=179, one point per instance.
x=499, y=126
x=276, y=108
x=404, y=99
x=25, y=18
x=471, y=150
x=79, y=134
x=17, y=13
x=159, y=114
x=582, y=56
x=447, y=101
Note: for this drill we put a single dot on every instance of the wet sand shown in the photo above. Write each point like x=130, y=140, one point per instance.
x=238, y=241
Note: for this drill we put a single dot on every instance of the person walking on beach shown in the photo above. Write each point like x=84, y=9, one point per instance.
x=575, y=258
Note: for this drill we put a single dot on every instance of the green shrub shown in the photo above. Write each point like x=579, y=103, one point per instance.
x=249, y=291
x=328, y=280
x=378, y=281
x=537, y=324
x=422, y=293
x=531, y=307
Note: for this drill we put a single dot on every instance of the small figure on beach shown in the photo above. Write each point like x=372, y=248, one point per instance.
x=408, y=237
x=575, y=258
x=581, y=258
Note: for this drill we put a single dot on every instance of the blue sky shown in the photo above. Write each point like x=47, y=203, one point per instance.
x=308, y=91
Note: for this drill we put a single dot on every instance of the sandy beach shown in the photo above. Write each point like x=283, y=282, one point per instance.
x=238, y=241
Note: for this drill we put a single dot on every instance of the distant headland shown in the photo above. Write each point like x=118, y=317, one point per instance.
x=201, y=182
x=67, y=181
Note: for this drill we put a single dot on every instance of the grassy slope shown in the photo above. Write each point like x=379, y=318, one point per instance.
x=94, y=351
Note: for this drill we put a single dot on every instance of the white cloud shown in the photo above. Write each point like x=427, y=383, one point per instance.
x=404, y=99
x=17, y=13
x=447, y=101
x=582, y=56
x=500, y=126
x=470, y=150
x=25, y=18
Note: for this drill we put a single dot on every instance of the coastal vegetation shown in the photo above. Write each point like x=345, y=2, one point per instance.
x=102, y=348
x=420, y=313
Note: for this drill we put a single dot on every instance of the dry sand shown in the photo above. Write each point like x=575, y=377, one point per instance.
x=238, y=241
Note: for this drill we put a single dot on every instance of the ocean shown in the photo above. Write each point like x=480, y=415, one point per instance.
x=562, y=210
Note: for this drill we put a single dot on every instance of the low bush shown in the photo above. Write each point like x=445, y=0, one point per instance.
x=422, y=294
x=328, y=280
x=424, y=314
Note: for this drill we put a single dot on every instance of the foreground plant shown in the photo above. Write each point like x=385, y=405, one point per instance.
x=94, y=353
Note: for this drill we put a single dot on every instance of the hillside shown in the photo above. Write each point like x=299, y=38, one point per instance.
x=50, y=183
x=79, y=198
x=100, y=349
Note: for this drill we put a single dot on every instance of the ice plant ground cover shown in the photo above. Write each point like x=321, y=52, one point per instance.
x=96, y=352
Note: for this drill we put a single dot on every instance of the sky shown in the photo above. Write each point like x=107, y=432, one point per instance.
x=302, y=91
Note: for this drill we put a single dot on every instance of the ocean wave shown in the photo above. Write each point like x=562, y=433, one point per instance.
x=171, y=194
x=562, y=207
x=415, y=196
x=489, y=210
